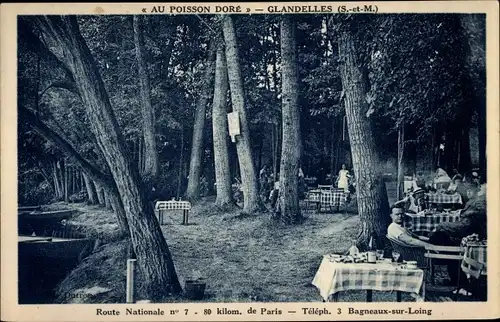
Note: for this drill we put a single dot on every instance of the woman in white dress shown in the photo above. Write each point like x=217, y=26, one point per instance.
x=343, y=181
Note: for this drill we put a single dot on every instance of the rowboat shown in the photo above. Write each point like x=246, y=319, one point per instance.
x=53, y=248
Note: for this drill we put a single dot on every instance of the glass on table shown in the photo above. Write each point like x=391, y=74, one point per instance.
x=395, y=256
x=380, y=254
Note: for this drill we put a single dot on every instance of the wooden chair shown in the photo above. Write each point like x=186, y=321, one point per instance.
x=409, y=252
x=473, y=269
x=449, y=253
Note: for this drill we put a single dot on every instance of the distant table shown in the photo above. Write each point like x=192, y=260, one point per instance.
x=428, y=223
x=443, y=198
x=163, y=206
x=332, y=278
x=328, y=198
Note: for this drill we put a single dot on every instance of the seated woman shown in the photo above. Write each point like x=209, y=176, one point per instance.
x=396, y=231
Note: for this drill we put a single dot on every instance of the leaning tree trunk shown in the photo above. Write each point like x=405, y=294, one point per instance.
x=251, y=200
x=373, y=205
x=91, y=193
x=90, y=170
x=148, y=242
x=289, y=209
x=193, y=188
x=220, y=130
x=151, y=163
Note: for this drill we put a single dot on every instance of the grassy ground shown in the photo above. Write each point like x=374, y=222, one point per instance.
x=243, y=259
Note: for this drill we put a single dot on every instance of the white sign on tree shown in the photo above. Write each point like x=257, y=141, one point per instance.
x=233, y=120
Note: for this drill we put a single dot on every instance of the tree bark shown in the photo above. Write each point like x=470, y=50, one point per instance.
x=91, y=193
x=220, y=132
x=251, y=200
x=373, y=205
x=290, y=152
x=151, y=163
x=66, y=186
x=193, y=188
x=181, y=161
x=401, y=173
x=56, y=180
x=148, y=242
x=99, y=193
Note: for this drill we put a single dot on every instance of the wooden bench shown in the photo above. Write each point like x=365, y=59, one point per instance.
x=162, y=207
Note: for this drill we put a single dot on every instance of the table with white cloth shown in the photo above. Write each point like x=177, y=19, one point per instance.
x=425, y=224
x=162, y=207
x=333, y=277
x=443, y=199
x=328, y=198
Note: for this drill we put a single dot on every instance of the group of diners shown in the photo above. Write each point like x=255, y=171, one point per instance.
x=471, y=218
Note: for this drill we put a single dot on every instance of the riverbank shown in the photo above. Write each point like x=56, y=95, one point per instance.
x=243, y=259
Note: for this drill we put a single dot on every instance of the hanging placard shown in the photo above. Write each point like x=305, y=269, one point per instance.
x=233, y=120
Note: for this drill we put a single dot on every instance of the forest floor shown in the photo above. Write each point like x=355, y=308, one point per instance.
x=242, y=258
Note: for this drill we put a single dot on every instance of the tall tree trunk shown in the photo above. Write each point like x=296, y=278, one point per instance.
x=148, y=242
x=91, y=193
x=290, y=152
x=181, y=162
x=251, y=200
x=56, y=180
x=332, y=153
x=107, y=200
x=100, y=193
x=373, y=205
x=151, y=163
x=193, y=188
x=401, y=168
x=220, y=132
x=66, y=186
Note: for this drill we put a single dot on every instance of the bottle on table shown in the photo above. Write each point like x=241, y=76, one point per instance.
x=353, y=250
x=372, y=251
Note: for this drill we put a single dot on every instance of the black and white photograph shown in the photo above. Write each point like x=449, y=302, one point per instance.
x=297, y=155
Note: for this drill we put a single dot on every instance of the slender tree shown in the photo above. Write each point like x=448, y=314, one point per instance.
x=251, y=200
x=220, y=131
x=151, y=163
x=193, y=188
x=290, y=149
x=91, y=193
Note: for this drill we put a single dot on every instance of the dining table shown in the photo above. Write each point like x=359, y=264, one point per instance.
x=327, y=199
x=443, y=199
x=334, y=277
x=424, y=223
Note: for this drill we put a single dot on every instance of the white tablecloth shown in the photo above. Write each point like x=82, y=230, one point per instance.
x=334, y=277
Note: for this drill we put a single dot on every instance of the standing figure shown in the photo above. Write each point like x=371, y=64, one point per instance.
x=343, y=181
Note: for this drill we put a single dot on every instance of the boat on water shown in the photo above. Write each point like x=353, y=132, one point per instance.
x=39, y=221
x=53, y=248
x=44, y=261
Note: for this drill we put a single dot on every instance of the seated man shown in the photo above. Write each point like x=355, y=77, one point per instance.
x=396, y=231
x=472, y=221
